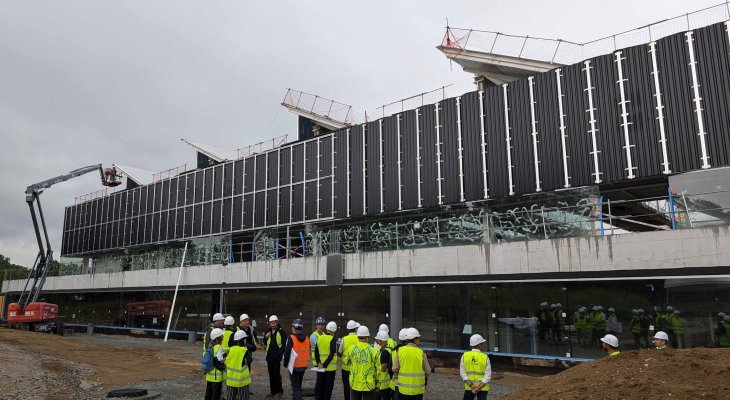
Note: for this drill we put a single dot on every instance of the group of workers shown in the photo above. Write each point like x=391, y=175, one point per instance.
x=386, y=369
x=609, y=343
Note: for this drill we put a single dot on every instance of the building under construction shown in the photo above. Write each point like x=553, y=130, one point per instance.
x=577, y=175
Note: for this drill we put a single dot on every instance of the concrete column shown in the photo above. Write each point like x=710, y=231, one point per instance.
x=396, y=310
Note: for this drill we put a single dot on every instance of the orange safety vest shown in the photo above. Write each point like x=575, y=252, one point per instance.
x=303, y=352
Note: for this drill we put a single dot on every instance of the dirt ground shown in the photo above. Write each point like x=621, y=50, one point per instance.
x=641, y=375
x=43, y=366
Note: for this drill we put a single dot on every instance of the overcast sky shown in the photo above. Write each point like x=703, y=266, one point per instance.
x=87, y=82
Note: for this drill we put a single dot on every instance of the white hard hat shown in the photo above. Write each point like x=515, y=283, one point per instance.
x=240, y=335
x=216, y=333
x=352, y=324
x=273, y=318
x=661, y=335
x=229, y=321
x=476, y=340
x=610, y=340
x=218, y=317
x=670, y=308
x=382, y=335
x=331, y=326
x=384, y=327
x=243, y=316
x=611, y=310
x=402, y=335
x=363, y=331
x=412, y=333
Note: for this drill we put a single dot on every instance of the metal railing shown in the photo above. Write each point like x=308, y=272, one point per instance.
x=314, y=104
x=260, y=147
x=90, y=196
x=558, y=51
x=169, y=173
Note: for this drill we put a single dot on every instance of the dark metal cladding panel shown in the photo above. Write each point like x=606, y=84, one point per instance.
x=135, y=204
x=97, y=210
x=171, y=220
x=116, y=235
x=325, y=155
x=272, y=171
x=247, y=212
x=147, y=233
x=208, y=185
x=237, y=218
x=117, y=208
x=173, y=192
x=189, y=190
x=298, y=162
x=132, y=230
x=215, y=224
x=198, y=219
x=675, y=79
x=310, y=199
x=127, y=203
x=297, y=204
x=142, y=200
x=429, y=172
x=713, y=70
x=450, y=175
x=494, y=125
x=409, y=160
x=199, y=186
x=311, y=159
x=357, y=161
x=284, y=205
x=341, y=173
x=228, y=179
x=217, y=182
x=372, y=163
x=109, y=209
x=471, y=133
x=65, y=237
x=164, y=226
x=206, y=219
x=108, y=234
x=549, y=147
x=227, y=215
x=644, y=128
x=612, y=159
x=249, y=166
x=523, y=161
x=154, y=227
x=390, y=163
x=188, y=226
x=92, y=238
x=238, y=178
x=165, y=195
x=179, y=223
x=285, y=165
x=578, y=140
x=260, y=209
x=325, y=198
x=272, y=207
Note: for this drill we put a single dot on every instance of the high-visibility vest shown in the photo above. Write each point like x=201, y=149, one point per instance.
x=392, y=344
x=725, y=338
x=278, y=340
x=347, y=342
x=319, y=335
x=303, y=351
x=323, y=344
x=384, y=376
x=237, y=373
x=394, y=379
x=678, y=325
x=364, y=365
x=411, y=376
x=614, y=354
x=475, y=363
x=215, y=375
x=636, y=324
x=582, y=324
x=227, y=338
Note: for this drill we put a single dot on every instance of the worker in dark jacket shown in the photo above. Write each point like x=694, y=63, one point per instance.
x=275, y=340
x=299, y=342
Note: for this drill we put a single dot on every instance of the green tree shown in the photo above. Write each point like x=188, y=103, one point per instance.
x=8, y=270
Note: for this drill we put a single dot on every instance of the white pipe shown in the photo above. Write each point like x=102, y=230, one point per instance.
x=624, y=115
x=563, y=136
x=659, y=109
x=174, y=297
x=698, y=101
x=531, y=82
x=592, y=122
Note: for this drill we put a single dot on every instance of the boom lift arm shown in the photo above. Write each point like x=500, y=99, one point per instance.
x=44, y=259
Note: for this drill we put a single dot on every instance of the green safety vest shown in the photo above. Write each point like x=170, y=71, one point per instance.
x=384, y=376
x=475, y=363
x=636, y=324
x=364, y=365
x=323, y=344
x=392, y=344
x=598, y=322
x=411, y=376
x=226, y=338
x=278, y=339
x=319, y=335
x=347, y=342
x=237, y=374
x=725, y=339
x=614, y=354
x=678, y=325
x=670, y=321
x=215, y=375
x=582, y=324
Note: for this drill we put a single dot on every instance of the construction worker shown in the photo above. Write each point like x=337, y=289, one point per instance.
x=364, y=366
x=660, y=320
x=299, y=342
x=385, y=357
x=611, y=321
x=636, y=329
x=669, y=315
x=325, y=356
x=214, y=378
x=391, y=342
x=598, y=325
x=545, y=320
x=610, y=345
x=475, y=370
x=678, y=330
x=411, y=365
x=558, y=323
x=230, y=329
x=394, y=378
x=719, y=328
x=250, y=339
x=723, y=332
x=238, y=376
x=275, y=339
x=644, y=326
x=660, y=340
x=318, y=331
x=218, y=319
x=347, y=341
x=583, y=327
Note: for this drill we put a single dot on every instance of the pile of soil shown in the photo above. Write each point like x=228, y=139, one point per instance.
x=642, y=375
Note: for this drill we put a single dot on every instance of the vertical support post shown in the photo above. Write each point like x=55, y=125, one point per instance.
x=349, y=171
x=221, y=300
x=364, y=192
x=660, y=109
x=600, y=213
x=438, y=153
x=544, y=225
x=380, y=163
x=686, y=209
x=610, y=215
x=396, y=308
x=461, y=149
x=508, y=139
x=671, y=209
x=400, y=186
x=304, y=244
x=418, y=155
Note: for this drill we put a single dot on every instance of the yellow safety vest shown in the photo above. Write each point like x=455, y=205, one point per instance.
x=323, y=344
x=384, y=376
x=226, y=337
x=278, y=340
x=364, y=365
x=215, y=375
x=237, y=374
x=347, y=342
x=411, y=376
x=475, y=363
x=614, y=354
x=394, y=379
